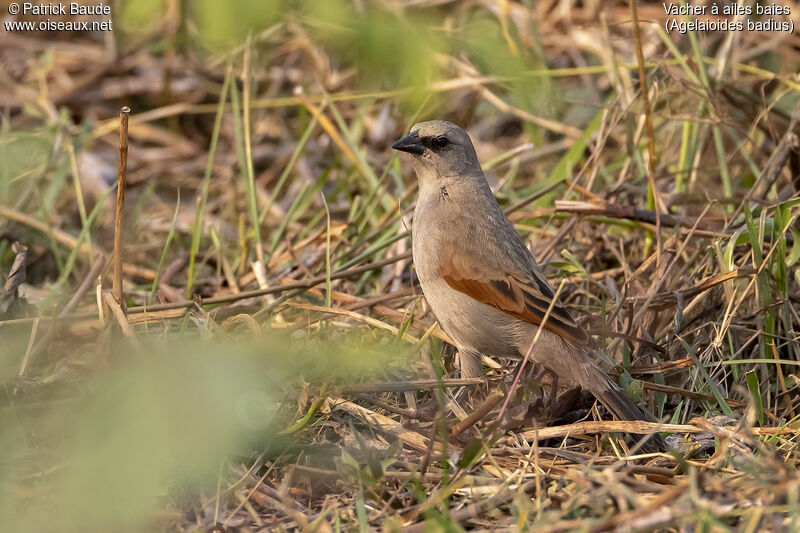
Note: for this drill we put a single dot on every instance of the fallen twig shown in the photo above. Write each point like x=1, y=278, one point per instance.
x=385, y=425
x=478, y=414
x=638, y=215
x=411, y=385
x=642, y=427
x=119, y=316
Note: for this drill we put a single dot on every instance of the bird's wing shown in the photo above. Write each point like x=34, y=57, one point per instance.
x=525, y=295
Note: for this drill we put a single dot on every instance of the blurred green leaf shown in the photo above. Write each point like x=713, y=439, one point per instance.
x=222, y=25
x=387, y=50
x=24, y=156
x=139, y=17
x=160, y=417
x=499, y=53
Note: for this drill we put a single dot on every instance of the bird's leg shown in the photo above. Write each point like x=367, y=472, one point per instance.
x=470, y=364
x=517, y=369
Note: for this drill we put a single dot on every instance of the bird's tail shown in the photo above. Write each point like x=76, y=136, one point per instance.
x=615, y=400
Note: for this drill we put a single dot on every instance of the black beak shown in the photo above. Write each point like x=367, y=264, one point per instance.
x=410, y=143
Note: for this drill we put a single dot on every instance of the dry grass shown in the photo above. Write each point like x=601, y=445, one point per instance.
x=266, y=265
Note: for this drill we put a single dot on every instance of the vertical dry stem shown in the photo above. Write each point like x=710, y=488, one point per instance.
x=121, y=179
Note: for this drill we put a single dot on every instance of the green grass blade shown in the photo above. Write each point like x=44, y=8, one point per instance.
x=197, y=227
x=712, y=386
x=163, y=259
x=755, y=392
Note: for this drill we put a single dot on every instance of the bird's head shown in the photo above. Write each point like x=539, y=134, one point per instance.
x=440, y=149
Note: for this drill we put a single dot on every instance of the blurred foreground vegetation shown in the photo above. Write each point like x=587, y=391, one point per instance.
x=259, y=157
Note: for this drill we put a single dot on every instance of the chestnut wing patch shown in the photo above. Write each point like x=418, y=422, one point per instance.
x=524, y=300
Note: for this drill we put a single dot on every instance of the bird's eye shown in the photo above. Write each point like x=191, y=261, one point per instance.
x=440, y=142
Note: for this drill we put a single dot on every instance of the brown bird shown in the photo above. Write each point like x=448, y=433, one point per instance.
x=480, y=279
